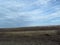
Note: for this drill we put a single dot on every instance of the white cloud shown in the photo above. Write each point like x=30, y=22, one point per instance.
x=54, y=15
x=13, y=5
x=34, y=14
x=24, y=11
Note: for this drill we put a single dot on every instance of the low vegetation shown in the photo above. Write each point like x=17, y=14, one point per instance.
x=49, y=35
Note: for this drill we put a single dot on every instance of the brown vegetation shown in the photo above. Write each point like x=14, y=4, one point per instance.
x=45, y=35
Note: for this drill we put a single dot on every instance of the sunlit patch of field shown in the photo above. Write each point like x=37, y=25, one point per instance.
x=29, y=33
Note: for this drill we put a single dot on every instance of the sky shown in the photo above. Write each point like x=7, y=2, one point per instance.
x=21, y=13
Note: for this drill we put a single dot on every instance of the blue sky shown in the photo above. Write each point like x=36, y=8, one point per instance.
x=20, y=13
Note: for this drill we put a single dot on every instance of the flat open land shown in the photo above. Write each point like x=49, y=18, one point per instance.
x=30, y=36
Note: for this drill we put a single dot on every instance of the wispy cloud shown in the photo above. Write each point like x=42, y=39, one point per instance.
x=17, y=13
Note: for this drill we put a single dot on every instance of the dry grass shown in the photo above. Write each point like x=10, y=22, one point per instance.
x=29, y=33
x=30, y=36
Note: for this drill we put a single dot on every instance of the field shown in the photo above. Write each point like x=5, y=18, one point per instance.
x=33, y=36
x=40, y=40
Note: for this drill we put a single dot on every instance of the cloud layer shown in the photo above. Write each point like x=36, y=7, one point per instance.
x=19, y=13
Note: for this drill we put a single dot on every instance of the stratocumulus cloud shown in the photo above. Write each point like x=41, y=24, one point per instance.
x=18, y=13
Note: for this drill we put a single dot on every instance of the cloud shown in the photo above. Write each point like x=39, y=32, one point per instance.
x=17, y=13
